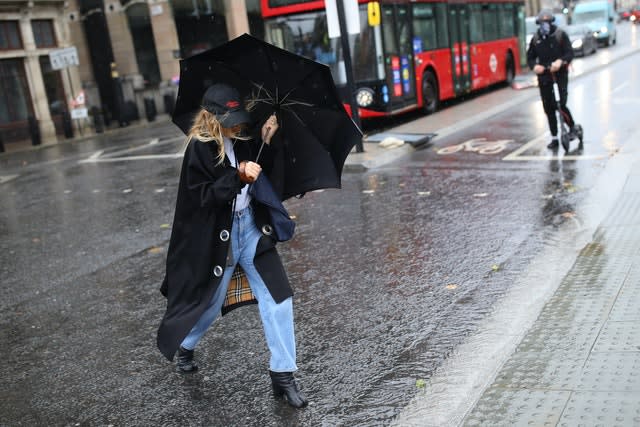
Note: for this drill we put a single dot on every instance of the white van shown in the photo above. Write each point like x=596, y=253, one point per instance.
x=600, y=17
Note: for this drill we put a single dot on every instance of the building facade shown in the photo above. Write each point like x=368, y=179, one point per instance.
x=127, y=57
x=31, y=90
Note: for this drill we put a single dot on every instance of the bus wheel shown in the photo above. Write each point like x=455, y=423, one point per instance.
x=511, y=69
x=429, y=93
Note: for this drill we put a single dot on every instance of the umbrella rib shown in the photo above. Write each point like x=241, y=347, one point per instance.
x=294, y=102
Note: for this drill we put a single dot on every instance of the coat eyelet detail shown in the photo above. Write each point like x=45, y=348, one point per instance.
x=224, y=235
x=267, y=230
x=217, y=271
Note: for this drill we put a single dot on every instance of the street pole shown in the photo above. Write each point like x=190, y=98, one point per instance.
x=346, y=56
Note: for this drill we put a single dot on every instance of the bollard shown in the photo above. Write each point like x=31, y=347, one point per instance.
x=106, y=115
x=34, y=131
x=67, y=125
x=168, y=103
x=98, y=119
x=150, y=109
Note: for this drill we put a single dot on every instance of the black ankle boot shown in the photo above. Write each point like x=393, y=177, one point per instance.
x=285, y=385
x=185, y=363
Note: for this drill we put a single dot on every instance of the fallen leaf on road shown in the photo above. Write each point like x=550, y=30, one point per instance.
x=495, y=267
x=155, y=250
x=165, y=225
x=568, y=215
x=452, y=286
x=420, y=383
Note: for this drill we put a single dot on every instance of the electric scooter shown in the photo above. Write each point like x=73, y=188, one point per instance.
x=566, y=136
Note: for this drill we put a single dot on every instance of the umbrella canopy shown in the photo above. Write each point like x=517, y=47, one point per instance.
x=318, y=133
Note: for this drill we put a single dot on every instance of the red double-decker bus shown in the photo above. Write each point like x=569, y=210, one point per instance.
x=422, y=53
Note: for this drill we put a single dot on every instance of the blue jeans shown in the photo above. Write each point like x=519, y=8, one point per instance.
x=277, y=319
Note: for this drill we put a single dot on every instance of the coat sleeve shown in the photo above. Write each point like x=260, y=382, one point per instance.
x=567, y=50
x=210, y=187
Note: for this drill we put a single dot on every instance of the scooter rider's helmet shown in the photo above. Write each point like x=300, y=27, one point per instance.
x=545, y=15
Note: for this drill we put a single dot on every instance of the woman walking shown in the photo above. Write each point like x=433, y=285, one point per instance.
x=221, y=236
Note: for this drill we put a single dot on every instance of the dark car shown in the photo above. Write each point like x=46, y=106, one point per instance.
x=582, y=39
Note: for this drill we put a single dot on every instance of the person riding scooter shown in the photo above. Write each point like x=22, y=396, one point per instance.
x=549, y=56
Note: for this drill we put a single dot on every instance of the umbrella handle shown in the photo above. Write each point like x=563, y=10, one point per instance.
x=259, y=151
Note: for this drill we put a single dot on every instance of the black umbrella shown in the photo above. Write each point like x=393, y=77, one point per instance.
x=318, y=133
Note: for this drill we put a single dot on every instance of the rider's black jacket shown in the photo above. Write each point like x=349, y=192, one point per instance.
x=544, y=50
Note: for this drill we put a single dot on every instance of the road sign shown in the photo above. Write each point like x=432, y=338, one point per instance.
x=79, y=113
x=63, y=58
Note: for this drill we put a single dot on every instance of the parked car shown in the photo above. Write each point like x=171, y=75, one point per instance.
x=624, y=14
x=582, y=39
x=635, y=15
x=599, y=17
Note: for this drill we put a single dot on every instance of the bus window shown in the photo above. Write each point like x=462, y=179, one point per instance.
x=389, y=26
x=475, y=23
x=442, y=20
x=506, y=18
x=307, y=35
x=424, y=25
x=403, y=30
x=363, y=50
x=490, y=22
x=430, y=25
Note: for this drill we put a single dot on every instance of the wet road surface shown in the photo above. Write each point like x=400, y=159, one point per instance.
x=391, y=273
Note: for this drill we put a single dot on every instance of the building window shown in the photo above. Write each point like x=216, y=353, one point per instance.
x=43, y=33
x=143, y=42
x=10, y=35
x=200, y=25
x=14, y=93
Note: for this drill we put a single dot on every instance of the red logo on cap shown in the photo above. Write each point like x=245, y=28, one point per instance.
x=232, y=104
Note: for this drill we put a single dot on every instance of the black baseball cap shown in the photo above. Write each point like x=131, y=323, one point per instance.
x=225, y=103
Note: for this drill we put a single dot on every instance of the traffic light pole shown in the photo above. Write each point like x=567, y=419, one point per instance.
x=346, y=56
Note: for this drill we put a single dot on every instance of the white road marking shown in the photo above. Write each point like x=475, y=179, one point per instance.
x=620, y=87
x=7, y=178
x=117, y=156
x=542, y=139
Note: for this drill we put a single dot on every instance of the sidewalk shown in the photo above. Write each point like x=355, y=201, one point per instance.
x=579, y=364
x=89, y=133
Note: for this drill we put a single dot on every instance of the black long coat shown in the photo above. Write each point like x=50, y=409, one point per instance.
x=198, y=247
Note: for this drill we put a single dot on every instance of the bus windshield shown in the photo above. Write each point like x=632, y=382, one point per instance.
x=307, y=35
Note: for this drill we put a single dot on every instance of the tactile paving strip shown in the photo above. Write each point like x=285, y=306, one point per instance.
x=611, y=372
x=535, y=370
x=579, y=364
x=626, y=305
x=518, y=408
x=619, y=240
x=606, y=409
x=558, y=337
x=625, y=212
x=619, y=336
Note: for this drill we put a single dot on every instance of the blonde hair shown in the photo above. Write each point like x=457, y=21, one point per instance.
x=207, y=128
